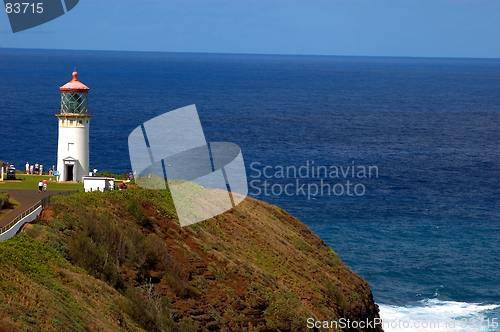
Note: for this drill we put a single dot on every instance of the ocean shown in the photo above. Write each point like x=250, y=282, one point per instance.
x=393, y=162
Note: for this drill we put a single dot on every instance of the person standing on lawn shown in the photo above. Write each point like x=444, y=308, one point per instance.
x=44, y=184
x=27, y=168
x=40, y=186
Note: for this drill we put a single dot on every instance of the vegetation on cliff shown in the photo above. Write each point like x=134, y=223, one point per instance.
x=120, y=261
x=4, y=199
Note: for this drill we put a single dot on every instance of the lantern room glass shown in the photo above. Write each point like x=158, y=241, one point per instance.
x=74, y=103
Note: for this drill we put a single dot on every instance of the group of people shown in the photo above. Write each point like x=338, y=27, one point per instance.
x=36, y=169
x=42, y=185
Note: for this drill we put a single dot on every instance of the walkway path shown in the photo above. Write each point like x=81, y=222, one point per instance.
x=27, y=198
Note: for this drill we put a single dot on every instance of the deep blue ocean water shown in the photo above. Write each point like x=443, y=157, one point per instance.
x=425, y=232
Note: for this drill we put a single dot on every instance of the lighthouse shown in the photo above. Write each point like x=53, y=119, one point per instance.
x=74, y=122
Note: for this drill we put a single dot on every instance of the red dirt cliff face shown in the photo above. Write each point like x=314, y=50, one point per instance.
x=253, y=268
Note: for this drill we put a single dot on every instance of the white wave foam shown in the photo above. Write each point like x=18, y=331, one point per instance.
x=418, y=318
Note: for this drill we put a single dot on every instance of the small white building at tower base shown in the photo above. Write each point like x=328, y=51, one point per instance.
x=98, y=183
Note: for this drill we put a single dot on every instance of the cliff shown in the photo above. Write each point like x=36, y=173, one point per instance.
x=119, y=261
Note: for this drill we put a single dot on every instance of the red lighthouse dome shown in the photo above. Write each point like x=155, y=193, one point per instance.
x=74, y=86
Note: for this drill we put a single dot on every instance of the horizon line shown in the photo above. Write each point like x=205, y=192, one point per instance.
x=256, y=54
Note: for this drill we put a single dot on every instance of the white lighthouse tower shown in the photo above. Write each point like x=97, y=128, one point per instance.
x=74, y=122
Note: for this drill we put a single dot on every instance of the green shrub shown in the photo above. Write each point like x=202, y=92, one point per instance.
x=35, y=231
x=134, y=208
x=148, y=309
x=4, y=199
x=285, y=307
x=95, y=259
x=302, y=246
x=124, y=176
x=334, y=293
x=156, y=253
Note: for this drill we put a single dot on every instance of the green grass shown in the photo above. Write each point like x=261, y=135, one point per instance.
x=254, y=259
x=41, y=291
x=13, y=204
x=31, y=182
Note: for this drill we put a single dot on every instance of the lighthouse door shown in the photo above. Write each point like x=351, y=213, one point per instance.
x=69, y=172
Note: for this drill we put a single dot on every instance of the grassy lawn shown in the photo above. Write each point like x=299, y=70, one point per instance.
x=13, y=204
x=31, y=182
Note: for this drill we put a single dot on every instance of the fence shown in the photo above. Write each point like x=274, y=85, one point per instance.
x=42, y=203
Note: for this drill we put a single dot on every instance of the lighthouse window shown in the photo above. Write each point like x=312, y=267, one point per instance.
x=70, y=122
x=73, y=102
x=80, y=121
